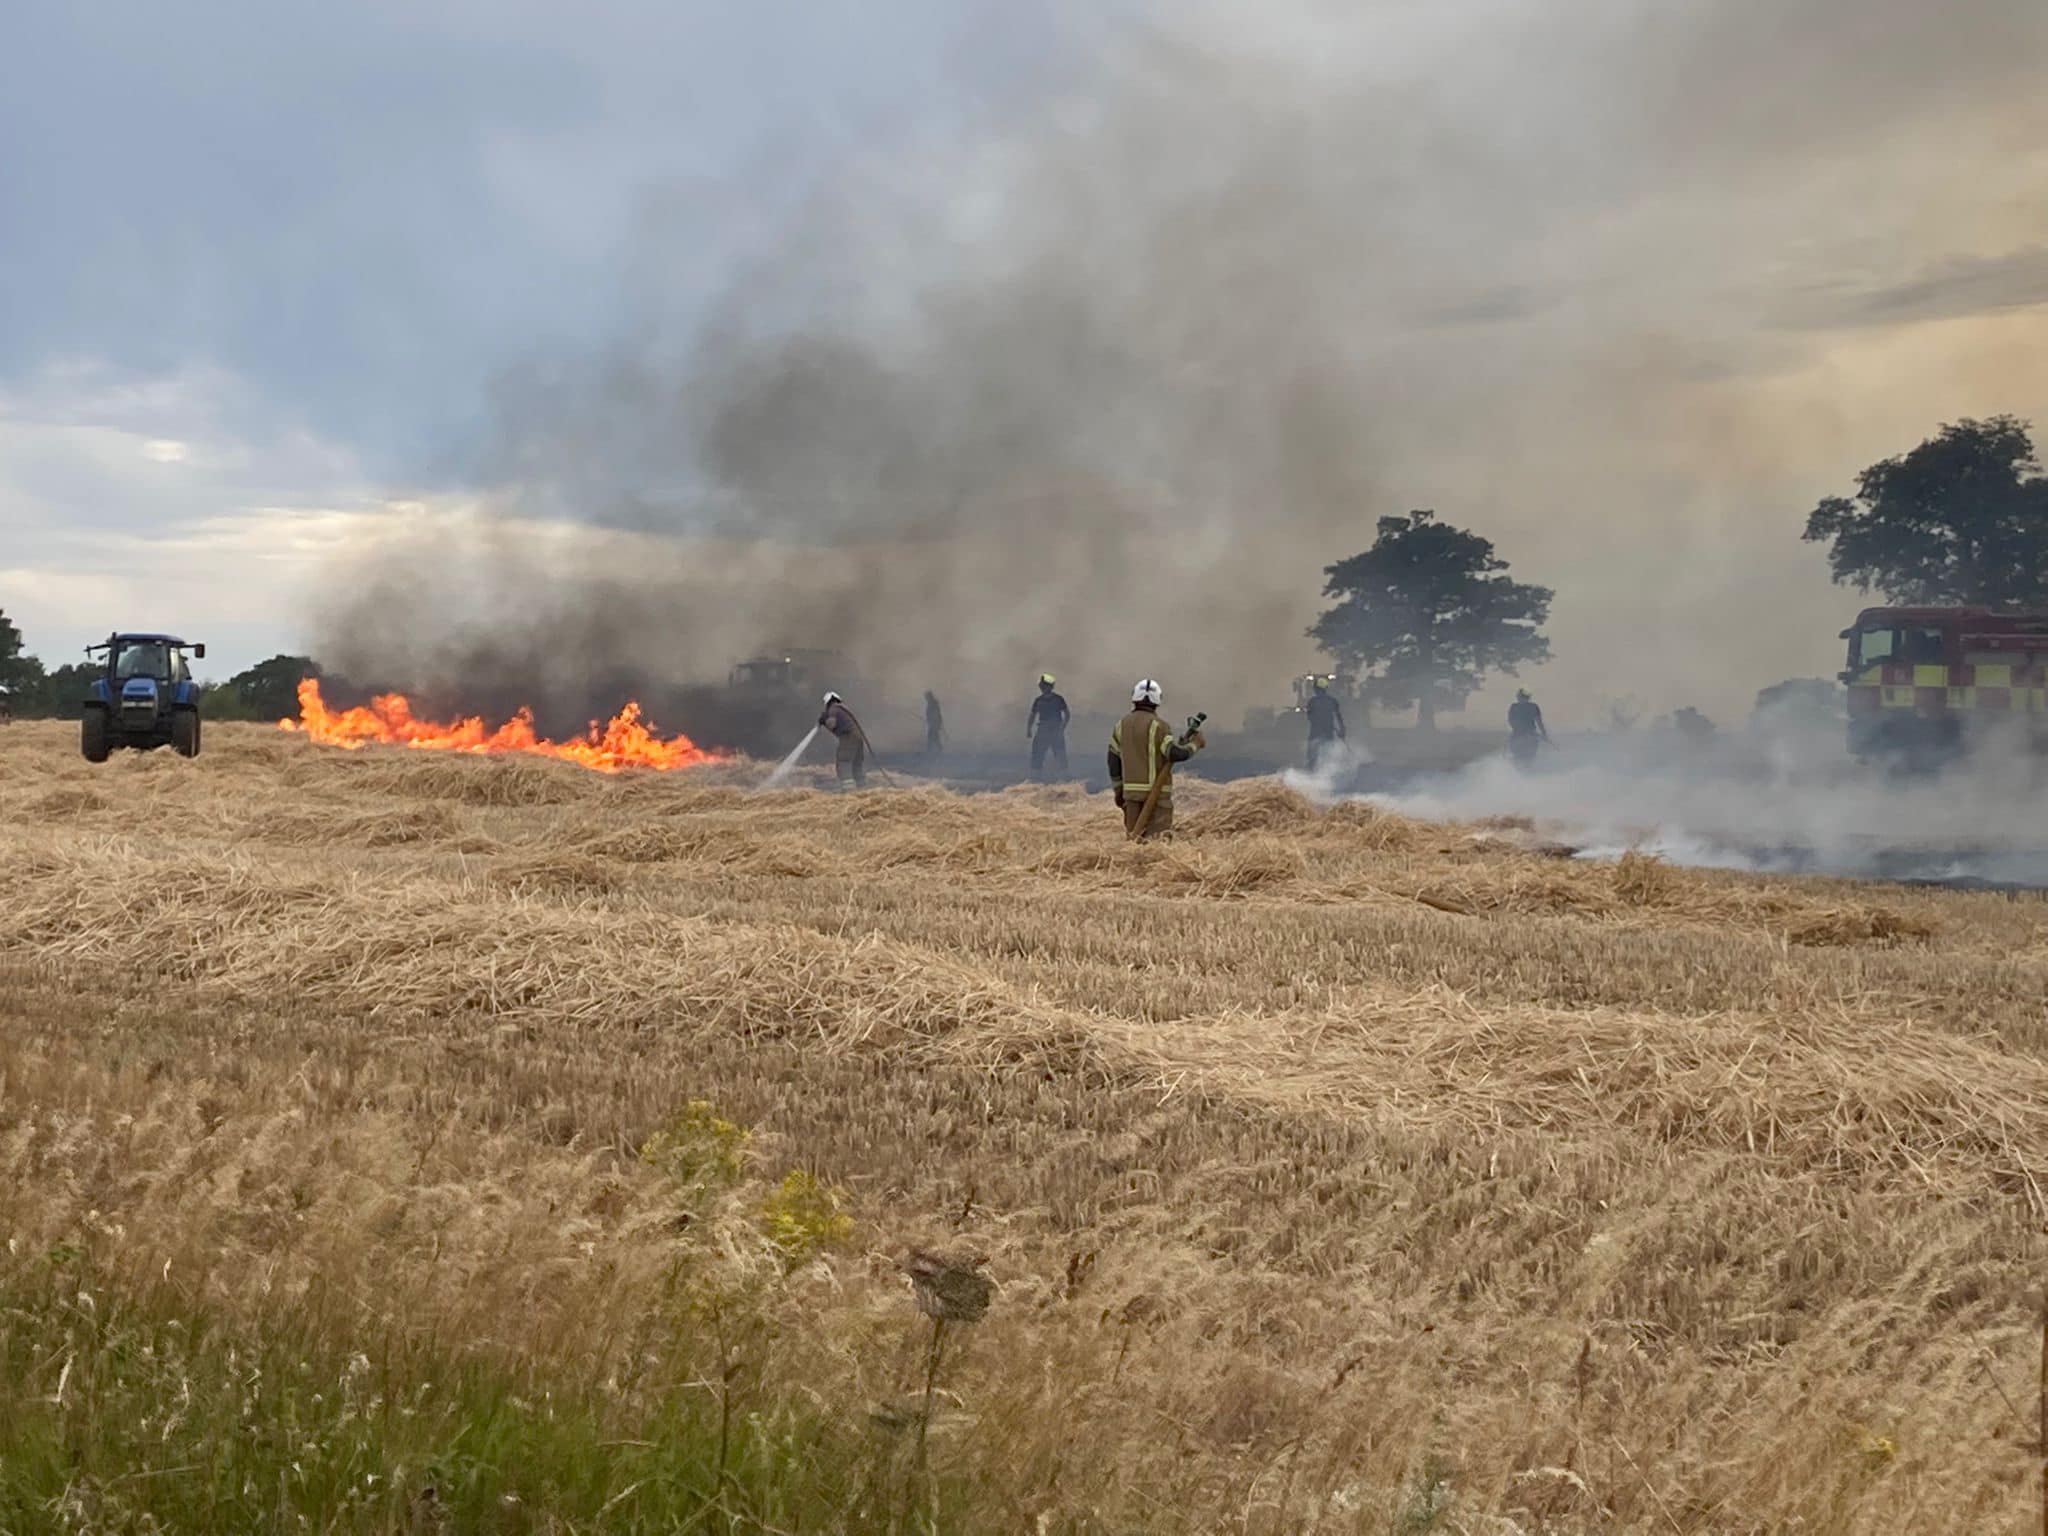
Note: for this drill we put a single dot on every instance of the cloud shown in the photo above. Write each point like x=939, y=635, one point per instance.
x=363, y=211
x=1951, y=288
x=134, y=503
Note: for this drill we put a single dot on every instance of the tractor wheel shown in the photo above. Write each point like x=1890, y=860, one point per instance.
x=185, y=732
x=92, y=735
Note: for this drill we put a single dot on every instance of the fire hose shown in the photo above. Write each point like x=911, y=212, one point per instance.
x=1161, y=778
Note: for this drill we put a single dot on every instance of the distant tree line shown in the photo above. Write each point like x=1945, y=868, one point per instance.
x=31, y=690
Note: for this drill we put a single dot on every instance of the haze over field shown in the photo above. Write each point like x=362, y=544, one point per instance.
x=989, y=340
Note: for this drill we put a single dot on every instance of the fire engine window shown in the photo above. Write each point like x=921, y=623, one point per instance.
x=1876, y=644
x=1923, y=645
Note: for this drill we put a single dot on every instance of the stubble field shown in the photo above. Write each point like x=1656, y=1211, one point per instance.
x=401, y=1141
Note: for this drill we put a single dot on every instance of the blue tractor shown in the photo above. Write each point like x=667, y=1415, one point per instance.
x=144, y=698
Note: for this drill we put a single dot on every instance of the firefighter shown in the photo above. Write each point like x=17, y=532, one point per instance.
x=934, y=724
x=851, y=761
x=1325, y=722
x=1525, y=729
x=1142, y=752
x=1046, y=728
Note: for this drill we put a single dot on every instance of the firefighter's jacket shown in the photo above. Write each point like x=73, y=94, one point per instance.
x=838, y=719
x=1142, y=750
x=1325, y=718
x=1048, y=716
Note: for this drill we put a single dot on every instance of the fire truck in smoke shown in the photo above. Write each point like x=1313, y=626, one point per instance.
x=1923, y=683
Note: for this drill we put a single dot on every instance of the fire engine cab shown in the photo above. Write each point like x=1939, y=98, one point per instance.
x=1923, y=681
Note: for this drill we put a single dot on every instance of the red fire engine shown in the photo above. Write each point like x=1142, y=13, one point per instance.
x=1923, y=681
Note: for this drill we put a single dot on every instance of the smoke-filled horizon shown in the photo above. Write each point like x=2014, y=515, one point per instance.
x=1101, y=384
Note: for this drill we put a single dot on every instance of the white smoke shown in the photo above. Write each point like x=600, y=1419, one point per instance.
x=1335, y=772
x=1787, y=800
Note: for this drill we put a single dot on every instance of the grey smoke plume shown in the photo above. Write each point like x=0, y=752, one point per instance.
x=1102, y=385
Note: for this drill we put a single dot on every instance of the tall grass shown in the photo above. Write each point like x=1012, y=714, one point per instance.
x=128, y=1411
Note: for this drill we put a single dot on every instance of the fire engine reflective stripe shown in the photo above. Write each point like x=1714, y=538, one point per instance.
x=1930, y=677
x=1993, y=698
x=1993, y=674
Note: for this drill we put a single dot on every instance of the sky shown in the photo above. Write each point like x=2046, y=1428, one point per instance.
x=982, y=337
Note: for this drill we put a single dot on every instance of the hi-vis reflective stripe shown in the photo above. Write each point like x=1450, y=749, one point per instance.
x=1157, y=737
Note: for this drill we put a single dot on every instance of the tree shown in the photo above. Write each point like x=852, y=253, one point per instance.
x=267, y=691
x=1693, y=727
x=1962, y=519
x=1431, y=608
x=1799, y=698
x=64, y=690
x=21, y=675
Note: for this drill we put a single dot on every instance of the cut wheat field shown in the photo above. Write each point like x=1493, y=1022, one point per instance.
x=1333, y=1171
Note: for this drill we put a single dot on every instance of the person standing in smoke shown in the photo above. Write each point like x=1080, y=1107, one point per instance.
x=1046, y=728
x=1325, y=722
x=850, y=763
x=1526, y=730
x=934, y=725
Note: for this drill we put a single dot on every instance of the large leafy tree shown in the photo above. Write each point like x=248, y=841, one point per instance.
x=1427, y=612
x=1963, y=518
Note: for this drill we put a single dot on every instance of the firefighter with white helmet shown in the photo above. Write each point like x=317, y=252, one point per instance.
x=850, y=763
x=1142, y=752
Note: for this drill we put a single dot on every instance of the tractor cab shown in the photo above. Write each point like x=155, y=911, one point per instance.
x=144, y=696
x=794, y=669
x=764, y=674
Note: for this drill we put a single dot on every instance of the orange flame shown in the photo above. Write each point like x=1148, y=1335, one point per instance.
x=623, y=741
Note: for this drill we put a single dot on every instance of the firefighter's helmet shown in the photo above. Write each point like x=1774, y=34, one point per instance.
x=1146, y=690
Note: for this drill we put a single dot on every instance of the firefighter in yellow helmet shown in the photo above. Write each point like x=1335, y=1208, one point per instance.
x=1046, y=728
x=1142, y=752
